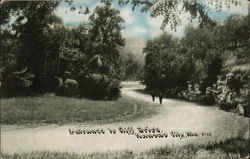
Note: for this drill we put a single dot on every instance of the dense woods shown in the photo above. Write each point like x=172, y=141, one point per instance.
x=210, y=64
x=40, y=54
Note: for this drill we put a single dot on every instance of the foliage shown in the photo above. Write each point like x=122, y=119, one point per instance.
x=160, y=62
x=168, y=65
x=71, y=53
x=8, y=48
x=38, y=40
x=233, y=89
x=99, y=86
x=132, y=65
x=17, y=82
x=202, y=46
x=171, y=10
x=189, y=68
x=31, y=28
x=234, y=36
x=106, y=25
x=66, y=87
x=100, y=77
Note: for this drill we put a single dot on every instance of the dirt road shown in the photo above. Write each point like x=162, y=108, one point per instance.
x=173, y=115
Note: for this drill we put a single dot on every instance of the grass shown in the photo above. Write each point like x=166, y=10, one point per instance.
x=49, y=108
x=229, y=149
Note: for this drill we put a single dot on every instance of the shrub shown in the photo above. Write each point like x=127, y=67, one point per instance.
x=100, y=86
x=193, y=93
x=234, y=90
x=17, y=83
x=67, y=87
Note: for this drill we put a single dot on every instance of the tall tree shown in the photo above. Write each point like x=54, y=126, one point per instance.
x=162, y=64
x=203, y=46
x=106, y=25
x=234, y=36
x=104, y=72
x=33, y=27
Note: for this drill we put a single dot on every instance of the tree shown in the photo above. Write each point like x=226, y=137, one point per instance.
x=8, y=48
x=171, y=10
x=133, y=66
x=203, y=46
x=46, y=49
x=106, y=26
x=162, y=64
x=171, y=63
x=234, y=36
x=32, y=28
x=103, y=72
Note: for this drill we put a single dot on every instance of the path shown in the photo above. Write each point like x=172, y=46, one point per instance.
x=173, y=115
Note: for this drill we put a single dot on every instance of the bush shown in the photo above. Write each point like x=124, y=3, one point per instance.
x=193, y=93
x=234, y=90
x=100, y=86
x=16, y=83
x=67, y=87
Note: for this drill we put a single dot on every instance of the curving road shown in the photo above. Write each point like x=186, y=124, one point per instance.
x=173, y=115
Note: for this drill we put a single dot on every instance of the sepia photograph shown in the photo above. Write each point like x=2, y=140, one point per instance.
x=125, y=79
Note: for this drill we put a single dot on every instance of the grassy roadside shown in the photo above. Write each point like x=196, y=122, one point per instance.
x=229, y=149
x=49, y=108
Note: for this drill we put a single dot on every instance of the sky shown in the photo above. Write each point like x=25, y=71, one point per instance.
x=142, y=25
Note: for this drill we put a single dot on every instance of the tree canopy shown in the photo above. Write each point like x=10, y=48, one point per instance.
x=199, y=57
x=170, y=10
x=38, y=47
x=38, y=42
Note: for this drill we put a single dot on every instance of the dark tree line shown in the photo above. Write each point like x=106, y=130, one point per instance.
x=192, y=66
x=40, y=54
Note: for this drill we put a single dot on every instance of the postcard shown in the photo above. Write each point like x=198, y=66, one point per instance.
x=124, y=79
